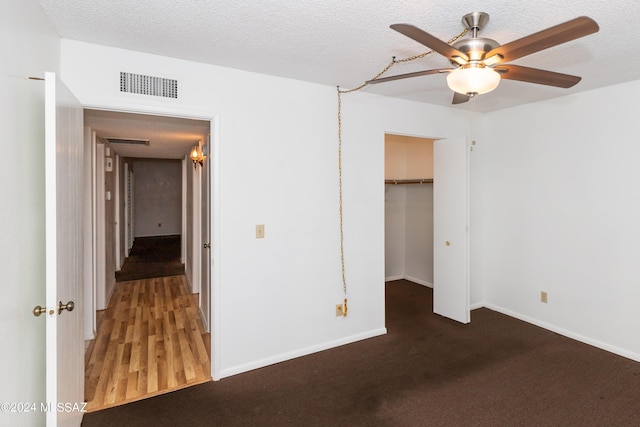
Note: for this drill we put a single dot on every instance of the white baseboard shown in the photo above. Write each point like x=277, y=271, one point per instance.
x=205, y=324
x=111, y=288
x=88, y=338
x=569, y=334
x=189, y=284
x=477, y=306
x=299, y=353
x=409, y=278
x=419, y=282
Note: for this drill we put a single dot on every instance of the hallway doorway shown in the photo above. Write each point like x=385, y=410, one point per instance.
x=150, y=335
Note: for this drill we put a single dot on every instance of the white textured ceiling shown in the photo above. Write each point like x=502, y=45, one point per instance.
x=346, y=42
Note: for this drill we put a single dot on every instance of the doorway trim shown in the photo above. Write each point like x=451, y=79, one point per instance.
x=215, y=278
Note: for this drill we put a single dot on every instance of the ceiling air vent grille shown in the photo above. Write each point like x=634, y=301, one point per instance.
x=148, y=85
x=132, y=141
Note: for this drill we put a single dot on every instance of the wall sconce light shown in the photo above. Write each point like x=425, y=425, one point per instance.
x=196, y=156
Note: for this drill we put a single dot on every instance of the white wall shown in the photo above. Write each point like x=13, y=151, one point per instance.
x=276, y=165
x=188, y=236
x=158, y=196
x=409, y=233
x=196, y=235
x=419, y=238
x=395, y=238
x=560, y=214
x=29, y=47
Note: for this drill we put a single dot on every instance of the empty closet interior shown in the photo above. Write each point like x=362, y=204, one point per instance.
x=409, y=208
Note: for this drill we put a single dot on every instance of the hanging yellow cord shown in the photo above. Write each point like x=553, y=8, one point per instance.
x=340, y=92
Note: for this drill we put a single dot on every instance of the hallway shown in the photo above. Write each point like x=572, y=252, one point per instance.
x=150, y=340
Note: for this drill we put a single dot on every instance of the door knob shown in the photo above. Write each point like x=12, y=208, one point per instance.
x=448, y=243
x=206, y=245
x=37, y=310
x=68, y=306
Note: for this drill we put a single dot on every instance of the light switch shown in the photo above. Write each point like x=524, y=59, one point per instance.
x=260, y=231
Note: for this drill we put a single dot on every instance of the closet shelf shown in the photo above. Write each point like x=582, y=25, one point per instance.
x=409, y=181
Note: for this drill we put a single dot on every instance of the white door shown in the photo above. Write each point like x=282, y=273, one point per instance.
x=205, y=206
x=64, y=254
x=451, y=229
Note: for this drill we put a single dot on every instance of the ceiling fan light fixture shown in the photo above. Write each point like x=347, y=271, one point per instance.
x=459, y=60
x=473, y=80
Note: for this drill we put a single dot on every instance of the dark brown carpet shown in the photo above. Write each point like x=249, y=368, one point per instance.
x=427, y=371
x=152, y=257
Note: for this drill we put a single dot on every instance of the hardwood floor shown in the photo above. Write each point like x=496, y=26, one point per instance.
x=150, y=340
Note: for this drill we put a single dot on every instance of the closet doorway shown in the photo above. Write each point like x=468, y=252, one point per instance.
x=409, y=209
x=427, y=218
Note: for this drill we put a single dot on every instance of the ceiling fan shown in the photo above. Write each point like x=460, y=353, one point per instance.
x=479, y=63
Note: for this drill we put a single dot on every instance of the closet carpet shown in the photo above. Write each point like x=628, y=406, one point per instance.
x=427, y=371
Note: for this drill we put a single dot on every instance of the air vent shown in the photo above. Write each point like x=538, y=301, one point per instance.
x=148, y=85
x=132, y=141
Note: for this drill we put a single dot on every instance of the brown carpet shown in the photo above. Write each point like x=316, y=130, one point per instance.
x=152, y=257
x=427, y=371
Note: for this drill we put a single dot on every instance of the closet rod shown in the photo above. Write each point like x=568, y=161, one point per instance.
x=409, y=181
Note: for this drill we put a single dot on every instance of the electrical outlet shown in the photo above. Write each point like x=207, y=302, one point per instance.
x=543, y=297
x=260, y=231
x=338, y=310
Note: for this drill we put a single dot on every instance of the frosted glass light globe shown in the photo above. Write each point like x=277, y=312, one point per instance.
x=473, y=80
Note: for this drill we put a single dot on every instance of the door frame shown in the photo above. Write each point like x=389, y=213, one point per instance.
x=99, y=226
x=90, y=256
x=215, y=278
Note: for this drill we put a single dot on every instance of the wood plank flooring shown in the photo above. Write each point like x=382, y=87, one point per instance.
x=150, y=340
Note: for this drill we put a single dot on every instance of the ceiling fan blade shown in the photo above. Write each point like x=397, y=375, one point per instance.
x=459, y=98
x=561, y=33
x=535, y=75
x=429, y=41
x=409, y=75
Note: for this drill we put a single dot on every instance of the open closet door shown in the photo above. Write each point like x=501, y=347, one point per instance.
x=451, y=229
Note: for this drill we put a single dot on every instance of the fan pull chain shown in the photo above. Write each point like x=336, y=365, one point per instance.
x=344, y=280
x=340, y=92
